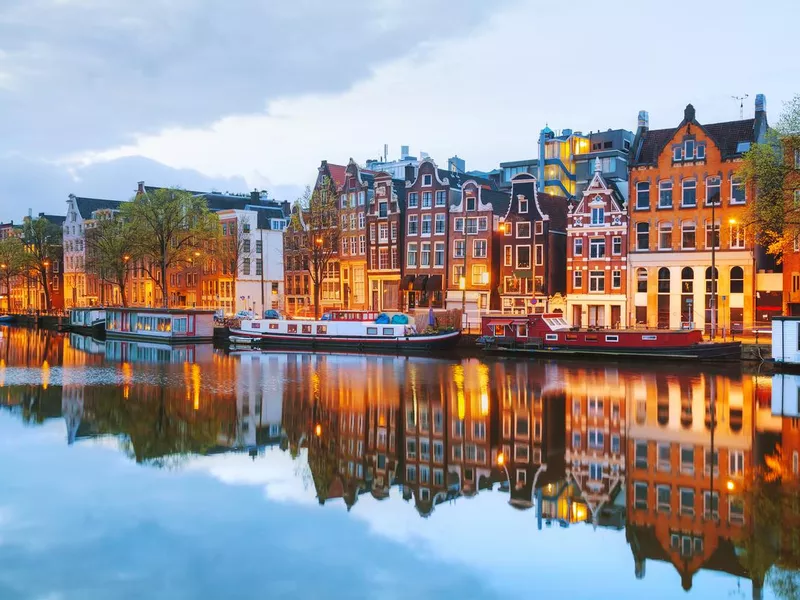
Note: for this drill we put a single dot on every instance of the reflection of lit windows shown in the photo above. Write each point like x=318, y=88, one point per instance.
x=663, y=450
x=640, y=495
x=711, y=505
x=663, y=498
x=736, y=463
x=640, y=454
x=687, y=459
x=615, y=446
x=411, y=448
x=596, y=439
x=411, y=474
x=596, y=472
x=687, y=502
x=576, y=439
x=479, y=430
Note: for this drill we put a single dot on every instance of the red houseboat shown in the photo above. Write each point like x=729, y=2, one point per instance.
x=550, y=334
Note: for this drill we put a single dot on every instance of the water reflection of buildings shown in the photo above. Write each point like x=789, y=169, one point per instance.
x=690, y=442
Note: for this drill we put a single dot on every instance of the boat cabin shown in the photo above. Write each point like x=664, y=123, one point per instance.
x=351, y=315
x=87, y=316
x=171, y=325
x=786, y=340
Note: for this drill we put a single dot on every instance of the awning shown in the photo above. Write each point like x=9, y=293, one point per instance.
x=497, y=322
x=519, y=322
x=419, y=282
x=407, y=281
x=434, y=284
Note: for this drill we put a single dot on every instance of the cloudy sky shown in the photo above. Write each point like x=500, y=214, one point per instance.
x=214, y=94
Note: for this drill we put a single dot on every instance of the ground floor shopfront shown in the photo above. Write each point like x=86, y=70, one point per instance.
x=676, y=290
x=421, y=290
x=596, y=310
x=384, y=291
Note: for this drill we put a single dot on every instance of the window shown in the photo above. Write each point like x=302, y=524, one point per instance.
x=688, y=235
x=687, y=459
x=711, y=459
x=711, y=505
x=246, y=266
x=663, y=454
x=440, y=220
x=738, y=195
x=362, y=245
x=427, y=198
x=641, y=280
x=539, y=250
x=412, y=255
x=663, y=498
x=577, y=246
x=737, y=280
x=472, y=226
x=576, y=439
x=413, y=200
x=713, y=186
x=438, y=254
x=483, y=223
x=362, y=220
x=597, y=281
x=344, y=222
x=427, y=180
x=736, y=235
x=643, y=195
x=459, y=224
x=700, y=151
x=687, y=502
x=616, y=246
x=616, y=280
x=577, y=279
x=688, y=149
x=425, y=255
x=598, y=215
x=597, y=248
x=479, y=248
x=596, y=439
x=413, y=224
x=689, y=193
x=426, y=224
x=394, y=230
x=383, y=233
x=508, y=256
x=677, y=153
x=458, y=273
x=640, y=495
x=665, y=236
x=736, y=463
x=459, y=248
x=523, y=257
x=471, y=203
x=643, y=236
x=480, y=276
x=640, y=454
x=441, y=198
x=523, y=230
x=595, y=472
x=353, y=221
x=712, y=234
x=665, y=194
x=615, y=444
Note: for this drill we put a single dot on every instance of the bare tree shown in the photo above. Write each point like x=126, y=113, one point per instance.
x=109, y=247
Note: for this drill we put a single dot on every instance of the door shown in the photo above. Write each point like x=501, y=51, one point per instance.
x=596, y=315
x=577, y=314
x=375, y=305
x=616, y=316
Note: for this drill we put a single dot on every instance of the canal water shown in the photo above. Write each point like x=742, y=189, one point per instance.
x=135, y=471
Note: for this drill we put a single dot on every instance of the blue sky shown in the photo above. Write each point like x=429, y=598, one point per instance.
x=86, y=522
x=95, y=96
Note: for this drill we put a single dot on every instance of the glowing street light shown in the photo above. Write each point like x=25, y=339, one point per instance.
x=318, y=430
x=730, y=485
x=501, y=459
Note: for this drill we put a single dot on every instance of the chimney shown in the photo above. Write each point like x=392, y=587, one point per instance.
x=140, y=188
x=644, y=121
x=411, y=173
x=255, y=197
x=688, y=113
x=385, y=152
x=286, y=208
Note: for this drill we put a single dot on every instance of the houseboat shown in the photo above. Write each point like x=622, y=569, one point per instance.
x=164, y=325
x=786, y=342
x=346, y=330
x=88, y=320
x=550, y=334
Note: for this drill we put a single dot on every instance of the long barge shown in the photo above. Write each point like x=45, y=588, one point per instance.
x=550, y=335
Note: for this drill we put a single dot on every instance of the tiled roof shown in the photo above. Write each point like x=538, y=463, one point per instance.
x=338, y=174
x=86, y=206
x=265, y=215
x=556, y=208
x=726, y=135
x=55, y=219
x=498, y=200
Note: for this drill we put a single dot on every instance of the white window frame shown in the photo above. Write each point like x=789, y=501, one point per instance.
x=436, y=247
x=617, y=239
x=476, y=244
x=530, y=262
x=743, y=186
x=578, y=241
x=684, y=187
x=719, y=187
x=600, y=243
x=427, y=180
x=663, y=186
x=422, y=252
x=411, y=219
x=524, y=224
x=456, y=244
x=508, y=255
x=440, y=219
x=523, y=206
x=663, y=227
x=594, y=278
x=577, y=279
x=618, y=275
x=412, y=248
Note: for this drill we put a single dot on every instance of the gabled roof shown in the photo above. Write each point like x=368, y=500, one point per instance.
x=554, y=207
x=338, y=173
x=499, y=200
x=725, y=135
x=86, y=206
x=55, y=219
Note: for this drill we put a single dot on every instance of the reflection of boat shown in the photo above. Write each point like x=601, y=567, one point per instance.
x=6, y=318
x=346, y=330
x=170, y=325
x=550, y=334
x=90, y=320
x=786, y=341
x=87, y=343
x=149, y=352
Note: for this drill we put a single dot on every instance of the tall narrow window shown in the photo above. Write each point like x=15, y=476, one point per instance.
x=737, y=280
x=713, y=187
x=736, y=236
x=642, y=236
x=738, y=195
x=665, y=236
x=642, y=195
x=641, y=280
x=665, y=194
x=712, y=235
x=689, y=192
x=577, y=246
x=688, y=235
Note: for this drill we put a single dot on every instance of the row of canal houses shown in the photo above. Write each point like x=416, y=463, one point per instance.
x=618, y=249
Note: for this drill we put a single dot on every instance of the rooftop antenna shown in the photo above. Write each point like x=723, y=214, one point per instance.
x=741, y=100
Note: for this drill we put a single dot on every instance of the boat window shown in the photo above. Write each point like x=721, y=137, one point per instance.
x=612, y=338
x=372, y=331
x=522, y=331
x=322, y=330
x=500, y=330
x=590, y=338
x=388, y=331
x=291, y=328
x=255, y=325
x=571, y=337
x=273, y=325
x=551, y=337
x=306, y=328
x=649, y=338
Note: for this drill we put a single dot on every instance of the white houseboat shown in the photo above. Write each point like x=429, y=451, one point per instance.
x=355, y=331
x=90, y=320
x=166, y=325
x=786, y=341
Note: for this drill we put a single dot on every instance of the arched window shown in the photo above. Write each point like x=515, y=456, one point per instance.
x=687, y=274
x=711, y=275
x=687, y=294
x=737, y=280
x=641, y=279
x=663, y=280
x=643, y=236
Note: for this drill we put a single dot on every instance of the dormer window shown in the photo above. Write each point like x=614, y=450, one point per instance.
x=523, y=205
x=677, y=153
x=427, y=180
x=742, y=147
x=701, y=152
